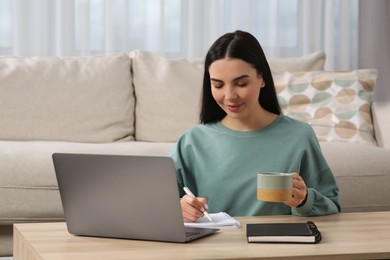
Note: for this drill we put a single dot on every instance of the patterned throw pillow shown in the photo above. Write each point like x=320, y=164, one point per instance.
x=336, y=104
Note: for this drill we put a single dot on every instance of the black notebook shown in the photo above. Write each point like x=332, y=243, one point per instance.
x=283, y=233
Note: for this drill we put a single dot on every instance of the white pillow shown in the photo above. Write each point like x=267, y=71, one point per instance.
x=80, y=99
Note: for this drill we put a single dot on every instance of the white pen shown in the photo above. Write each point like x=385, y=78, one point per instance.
x=188, y=192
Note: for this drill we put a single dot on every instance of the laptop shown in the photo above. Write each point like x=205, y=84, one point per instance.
x=122, y=196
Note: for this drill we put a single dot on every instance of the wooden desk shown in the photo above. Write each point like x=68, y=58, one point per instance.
x=345, y=236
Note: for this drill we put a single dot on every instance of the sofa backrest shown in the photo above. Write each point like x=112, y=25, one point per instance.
x=146, y=97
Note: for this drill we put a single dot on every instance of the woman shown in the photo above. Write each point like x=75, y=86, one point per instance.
x=243, y=132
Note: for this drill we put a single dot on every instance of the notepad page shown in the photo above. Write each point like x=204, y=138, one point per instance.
x=221, y=220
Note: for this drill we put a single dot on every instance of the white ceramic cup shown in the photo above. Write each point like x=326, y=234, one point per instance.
x=274, y=186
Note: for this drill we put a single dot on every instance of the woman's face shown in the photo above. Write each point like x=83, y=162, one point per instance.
x=235, y=86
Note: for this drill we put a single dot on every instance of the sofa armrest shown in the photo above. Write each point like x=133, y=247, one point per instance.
x=381, y=118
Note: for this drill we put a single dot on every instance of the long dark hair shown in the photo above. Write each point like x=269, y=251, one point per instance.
x=244, y=46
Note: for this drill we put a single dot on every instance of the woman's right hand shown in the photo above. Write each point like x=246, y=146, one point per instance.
x=192, y=208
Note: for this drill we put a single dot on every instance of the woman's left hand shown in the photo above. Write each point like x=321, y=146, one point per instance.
x=299, y=191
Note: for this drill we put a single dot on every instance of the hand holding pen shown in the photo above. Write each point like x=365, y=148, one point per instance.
x=193, y=207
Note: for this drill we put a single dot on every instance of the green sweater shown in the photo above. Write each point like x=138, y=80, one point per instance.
x=222, y=165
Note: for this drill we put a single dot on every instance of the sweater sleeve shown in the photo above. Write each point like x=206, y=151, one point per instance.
x=323, y=192
x=182, y=156
x=176, y=157
x=322, y=199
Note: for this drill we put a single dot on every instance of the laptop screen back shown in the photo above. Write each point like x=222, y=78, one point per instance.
x=118, y=196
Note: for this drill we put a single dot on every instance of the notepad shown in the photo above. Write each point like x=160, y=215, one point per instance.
x=283, y=233
x=221, y=221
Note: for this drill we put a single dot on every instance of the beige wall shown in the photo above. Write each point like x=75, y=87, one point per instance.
x=374, y=43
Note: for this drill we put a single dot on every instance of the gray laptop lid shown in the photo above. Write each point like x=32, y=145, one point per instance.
x=121, y=196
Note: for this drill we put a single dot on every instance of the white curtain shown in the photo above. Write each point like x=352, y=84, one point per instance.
x=179, y=28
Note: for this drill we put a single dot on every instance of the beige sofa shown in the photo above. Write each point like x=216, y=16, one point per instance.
x=140, y=104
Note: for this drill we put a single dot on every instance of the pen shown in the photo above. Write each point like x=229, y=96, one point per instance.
x=188, y=192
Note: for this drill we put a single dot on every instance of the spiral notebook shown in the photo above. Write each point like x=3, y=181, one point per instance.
x=283, y=233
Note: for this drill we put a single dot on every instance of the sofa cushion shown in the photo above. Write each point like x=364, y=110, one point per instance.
x=168, y=91
x=362, y=174
x=29, y=191
x=168, y=96
x=308, y=62
x=81, y=99
x=335, y=104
